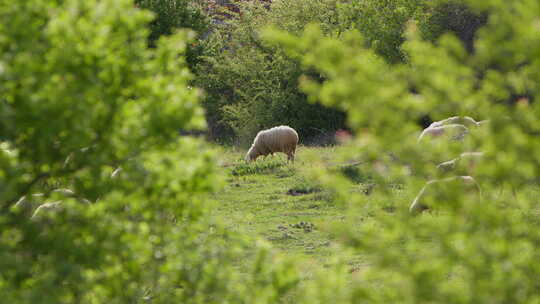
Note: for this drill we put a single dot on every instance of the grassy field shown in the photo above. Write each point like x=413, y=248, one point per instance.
x=278, y=202
x=273, y=200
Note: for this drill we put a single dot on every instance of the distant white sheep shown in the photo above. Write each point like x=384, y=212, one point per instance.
x=465, y=120
x=278, y=139
x=456, y=127
x=455, y=131
x=419, y=204
x=26, y=205
x=46, y=207
x=32, y=205
x=466, y=160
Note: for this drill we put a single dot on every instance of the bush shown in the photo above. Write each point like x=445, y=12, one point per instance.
x=455, y=17
x=81, y=95
x=250, y=86
x=469, y=249
x=174, y=14
x=382, y=23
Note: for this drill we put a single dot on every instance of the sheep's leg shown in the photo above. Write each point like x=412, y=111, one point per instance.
x=290, y=154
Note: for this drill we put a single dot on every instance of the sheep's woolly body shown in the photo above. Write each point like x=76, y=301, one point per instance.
x=54, y=206
x=457, y=127
x=456, y=131
x=468, y=182
x=278, y=139
x=468, y=160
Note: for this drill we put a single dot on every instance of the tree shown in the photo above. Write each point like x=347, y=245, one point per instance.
x=250, y=86
x=171, y=15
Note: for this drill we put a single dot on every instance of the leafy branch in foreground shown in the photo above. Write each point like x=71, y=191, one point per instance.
x=468, y=249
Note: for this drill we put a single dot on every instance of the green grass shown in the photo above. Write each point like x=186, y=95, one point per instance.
x=276, y=201
x=279, y=202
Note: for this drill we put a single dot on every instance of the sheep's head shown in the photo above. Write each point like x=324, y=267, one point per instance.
x=251, y=155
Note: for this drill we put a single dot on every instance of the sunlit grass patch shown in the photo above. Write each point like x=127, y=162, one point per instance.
x=257, y=167
x=303, y=185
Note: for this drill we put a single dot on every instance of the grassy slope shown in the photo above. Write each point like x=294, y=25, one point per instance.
x=257, y=202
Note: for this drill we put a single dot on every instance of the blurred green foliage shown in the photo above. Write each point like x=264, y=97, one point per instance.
x=89, y=120
x=468, y=248
x=82, y=95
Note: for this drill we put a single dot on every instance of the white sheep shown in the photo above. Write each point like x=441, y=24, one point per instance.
x=277, y=139
x=466, y=160
x=457, y=127
x=456, y=131
x=465, y=120
x=419, y=204
x=46, y=207
x=25, y=205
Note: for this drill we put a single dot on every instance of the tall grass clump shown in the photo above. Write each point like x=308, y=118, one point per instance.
x=257, y=167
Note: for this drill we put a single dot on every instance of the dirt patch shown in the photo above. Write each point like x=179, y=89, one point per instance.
x=306, y=226
x=297, y=192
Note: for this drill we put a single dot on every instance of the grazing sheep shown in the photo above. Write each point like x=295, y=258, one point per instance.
x=419, y=202
x=278, y=139
x=455, y=126
x=32, y=206
x=466, y=160
x=46, y=207
x=456, y=131
x=465, y=120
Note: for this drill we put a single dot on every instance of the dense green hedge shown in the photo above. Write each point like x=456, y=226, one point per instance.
x=250, y=85
x=170, y=15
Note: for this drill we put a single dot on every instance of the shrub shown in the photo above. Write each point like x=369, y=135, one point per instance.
x=81, y=95
x=250, y=86
x=382, y=23
x=455, y=17
x=468, y=250
x=170, y=15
